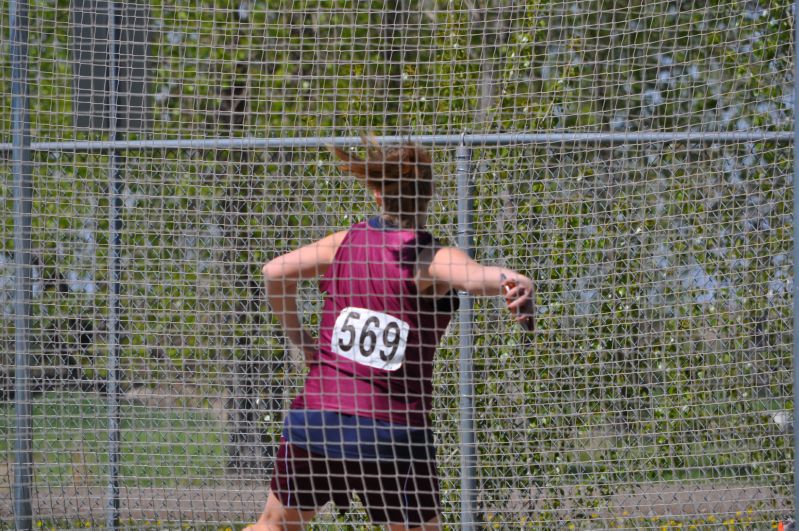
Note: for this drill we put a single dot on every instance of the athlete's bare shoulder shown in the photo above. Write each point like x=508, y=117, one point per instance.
x=306, y=262
x=324, y=250
x=334, y=239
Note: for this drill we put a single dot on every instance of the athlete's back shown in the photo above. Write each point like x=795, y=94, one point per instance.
x=378, y=335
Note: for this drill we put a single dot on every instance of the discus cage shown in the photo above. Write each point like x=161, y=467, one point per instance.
x=636, y=159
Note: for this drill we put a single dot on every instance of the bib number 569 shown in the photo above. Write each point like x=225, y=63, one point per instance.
x=371, y=338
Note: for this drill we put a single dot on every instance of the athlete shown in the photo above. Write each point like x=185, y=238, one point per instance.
x=362, y=422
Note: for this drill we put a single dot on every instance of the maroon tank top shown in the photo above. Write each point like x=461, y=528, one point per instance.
x=378, y=336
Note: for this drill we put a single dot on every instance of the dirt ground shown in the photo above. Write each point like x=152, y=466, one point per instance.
x=241, y=501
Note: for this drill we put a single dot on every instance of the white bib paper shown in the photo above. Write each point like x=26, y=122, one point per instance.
x=371, y=338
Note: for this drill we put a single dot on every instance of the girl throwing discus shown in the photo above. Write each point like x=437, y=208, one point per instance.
x=362, y=421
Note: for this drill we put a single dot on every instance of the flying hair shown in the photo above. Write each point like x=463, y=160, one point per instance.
x=403, y=175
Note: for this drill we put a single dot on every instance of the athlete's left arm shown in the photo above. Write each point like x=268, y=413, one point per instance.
x=282, y=274
x=440, y=269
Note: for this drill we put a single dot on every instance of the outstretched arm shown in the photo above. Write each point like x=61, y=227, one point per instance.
x=449, y=268
x=282, y=274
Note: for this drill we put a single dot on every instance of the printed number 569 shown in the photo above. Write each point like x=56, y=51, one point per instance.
x=359, y=334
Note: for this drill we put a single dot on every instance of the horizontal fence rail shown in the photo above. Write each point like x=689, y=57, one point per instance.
x=472, y=140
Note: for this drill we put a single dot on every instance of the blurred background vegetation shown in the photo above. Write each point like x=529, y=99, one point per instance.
x=663, y=351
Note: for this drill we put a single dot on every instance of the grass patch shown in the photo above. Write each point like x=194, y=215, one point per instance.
x=159, y=447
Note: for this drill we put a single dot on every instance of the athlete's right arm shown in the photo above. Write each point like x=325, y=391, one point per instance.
x=282, y=274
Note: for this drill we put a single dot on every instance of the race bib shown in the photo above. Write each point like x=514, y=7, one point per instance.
x=371, y=338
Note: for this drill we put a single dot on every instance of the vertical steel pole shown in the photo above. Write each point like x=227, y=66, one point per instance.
x=23, y=199
x=114, y=277
x=796, y=260
x=466, y=315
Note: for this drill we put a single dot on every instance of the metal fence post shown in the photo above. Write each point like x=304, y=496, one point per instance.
x=796, y=260
x=465, y=242
x=114, y=278
x=23, y=203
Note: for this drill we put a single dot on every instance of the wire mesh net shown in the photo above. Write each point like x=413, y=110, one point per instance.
x=657, y=389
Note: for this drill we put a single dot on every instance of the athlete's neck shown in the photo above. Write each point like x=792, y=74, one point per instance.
x=412, y=222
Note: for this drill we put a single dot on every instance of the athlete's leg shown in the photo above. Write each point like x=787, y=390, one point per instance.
x=277, y=517
x=434, y=524
x=395, y=492
x=297, y=489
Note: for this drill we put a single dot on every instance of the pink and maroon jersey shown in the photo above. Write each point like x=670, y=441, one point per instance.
x=378, y=336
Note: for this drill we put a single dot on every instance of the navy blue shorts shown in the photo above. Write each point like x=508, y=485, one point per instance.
x=401, y=488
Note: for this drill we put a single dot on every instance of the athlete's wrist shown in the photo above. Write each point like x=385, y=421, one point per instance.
x=308, y=345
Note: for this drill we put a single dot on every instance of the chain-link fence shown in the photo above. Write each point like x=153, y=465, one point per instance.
x=633, y=158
